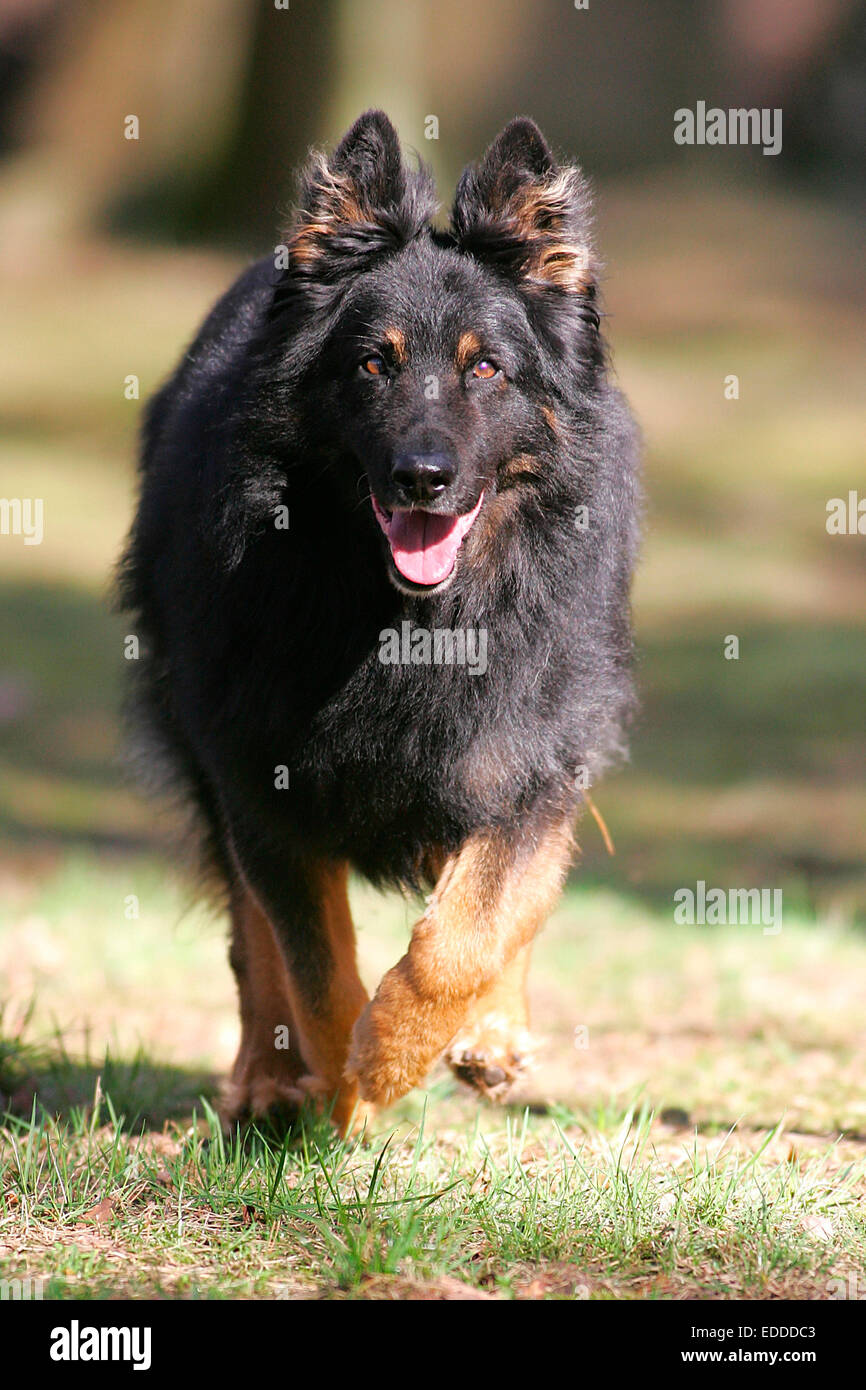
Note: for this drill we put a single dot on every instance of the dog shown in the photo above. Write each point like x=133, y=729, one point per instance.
x=390, y=444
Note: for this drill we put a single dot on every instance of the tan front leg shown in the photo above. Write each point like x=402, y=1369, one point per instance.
x=326, y=1031
x=490, y=900
x=306, y=920
x=266, y=1073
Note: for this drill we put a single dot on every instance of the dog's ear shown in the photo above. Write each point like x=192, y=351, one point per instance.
x=525, y=216
x=369, y=157
x=358, y=203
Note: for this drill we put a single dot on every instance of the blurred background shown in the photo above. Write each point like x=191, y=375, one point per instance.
x=720, y=262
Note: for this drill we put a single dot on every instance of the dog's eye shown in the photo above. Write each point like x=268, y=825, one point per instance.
x=374, y=365
x=484, y=369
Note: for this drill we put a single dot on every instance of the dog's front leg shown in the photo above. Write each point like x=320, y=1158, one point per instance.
x=491, y=898
x=299, y=908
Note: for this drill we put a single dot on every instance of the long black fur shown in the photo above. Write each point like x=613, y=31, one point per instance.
x=260, y=645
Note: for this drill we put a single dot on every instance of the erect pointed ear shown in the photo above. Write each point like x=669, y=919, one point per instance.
x=521, y=213
x=369, y=157
x=360, y=201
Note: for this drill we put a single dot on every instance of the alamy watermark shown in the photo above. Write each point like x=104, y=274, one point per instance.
x=22, y=1290
x=22, y=516
x=736, y=126
x=439, y=646
x=846, y=516
x=734, y=906
x=848, y=1287
x=77, y=1343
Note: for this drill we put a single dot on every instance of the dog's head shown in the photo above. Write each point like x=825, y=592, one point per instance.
x=440, y=358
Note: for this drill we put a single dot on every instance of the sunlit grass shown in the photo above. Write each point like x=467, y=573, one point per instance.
x=559, y=1208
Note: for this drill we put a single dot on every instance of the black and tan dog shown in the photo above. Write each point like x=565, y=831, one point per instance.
x=390, y=448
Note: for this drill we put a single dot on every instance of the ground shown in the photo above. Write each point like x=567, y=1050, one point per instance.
x=697, y=1122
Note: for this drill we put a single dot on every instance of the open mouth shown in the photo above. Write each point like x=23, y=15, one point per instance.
x=424, y=545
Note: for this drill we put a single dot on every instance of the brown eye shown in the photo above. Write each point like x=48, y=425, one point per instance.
x=484, y=369
x=373, y=365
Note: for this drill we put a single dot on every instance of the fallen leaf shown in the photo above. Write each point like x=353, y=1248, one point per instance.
x=820, y=1227
x=101, y=1213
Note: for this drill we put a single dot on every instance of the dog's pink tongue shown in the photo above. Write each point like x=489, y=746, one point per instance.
x=425, y=545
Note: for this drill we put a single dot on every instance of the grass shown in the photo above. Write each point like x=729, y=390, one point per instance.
x=706, y=1139
x=710, y=1139
x=570, y=1209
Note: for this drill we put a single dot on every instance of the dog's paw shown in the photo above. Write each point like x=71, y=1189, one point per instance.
x=278, y=1103
x=345, y=1109
x=380, y=1064
x=396, y=1041
x=492, y=1056
x=260, y=1096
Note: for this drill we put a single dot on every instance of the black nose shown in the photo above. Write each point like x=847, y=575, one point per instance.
x=421, y=477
